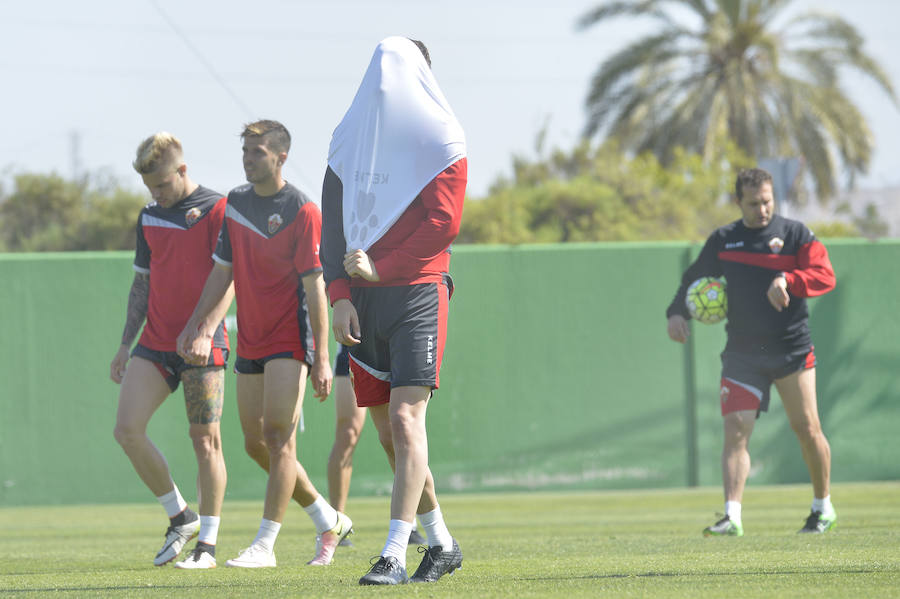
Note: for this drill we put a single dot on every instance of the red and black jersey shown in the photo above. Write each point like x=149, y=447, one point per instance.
x=749, y=259
x=416, y=247
x=175, y=246
x=271, y=243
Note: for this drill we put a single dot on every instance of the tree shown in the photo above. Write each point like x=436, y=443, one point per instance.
x=49, y=213
x=601, y=194
x=723, y=67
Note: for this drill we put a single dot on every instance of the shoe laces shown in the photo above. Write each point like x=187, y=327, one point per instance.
x=724, y=518
x=383, y=565
x=430, y=553
x=813, y=519
x=253, y=550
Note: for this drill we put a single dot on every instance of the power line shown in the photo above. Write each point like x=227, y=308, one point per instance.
x=220, y=80
x=199, y=55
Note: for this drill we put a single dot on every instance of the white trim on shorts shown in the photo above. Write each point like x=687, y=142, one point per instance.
x=378, y=374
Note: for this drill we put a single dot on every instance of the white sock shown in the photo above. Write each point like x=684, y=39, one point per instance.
x=823, y=505
x=209, y=529
x=173, y=502
x=398, y=538
x=733, y=511
x=268, y=532
x=435, y=529
x=324, y=516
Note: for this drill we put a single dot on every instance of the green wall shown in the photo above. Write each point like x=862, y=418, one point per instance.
x=558, y=374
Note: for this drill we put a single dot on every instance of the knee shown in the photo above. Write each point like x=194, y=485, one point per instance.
x=206, y=444
x=276, y=439
x=256, y=449
x=738, y=427
x=806, y=431
x=128, y=436
x=347, y=435
x=404, y=429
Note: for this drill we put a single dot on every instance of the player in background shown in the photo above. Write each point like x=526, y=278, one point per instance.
x=392, y=202
x=349, y=421
x=770, y=264
x=269, y=246
x=176, y=236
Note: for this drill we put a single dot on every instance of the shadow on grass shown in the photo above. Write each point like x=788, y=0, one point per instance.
x=700, y=574
x=114, y=588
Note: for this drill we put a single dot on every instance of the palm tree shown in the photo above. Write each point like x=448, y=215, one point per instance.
x=719, y=69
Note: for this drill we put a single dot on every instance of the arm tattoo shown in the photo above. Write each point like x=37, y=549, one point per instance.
x=138, y=299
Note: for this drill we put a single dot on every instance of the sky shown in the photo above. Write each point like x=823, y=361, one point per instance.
x=84, y=82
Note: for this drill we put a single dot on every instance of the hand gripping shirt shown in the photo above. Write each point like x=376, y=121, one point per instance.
x=174, y=247
x=271, y=243
x=749, y=259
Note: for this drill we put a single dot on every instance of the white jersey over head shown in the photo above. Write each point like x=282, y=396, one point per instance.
x=398, y=134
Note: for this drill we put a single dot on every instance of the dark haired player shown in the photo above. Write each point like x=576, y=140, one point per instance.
x=771, y=264
x=269, y=244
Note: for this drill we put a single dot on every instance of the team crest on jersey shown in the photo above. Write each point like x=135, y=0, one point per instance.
x=275, y=222
x=775, y=244
x=193, y=215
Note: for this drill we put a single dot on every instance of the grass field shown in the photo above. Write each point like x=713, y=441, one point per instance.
x=571, y=545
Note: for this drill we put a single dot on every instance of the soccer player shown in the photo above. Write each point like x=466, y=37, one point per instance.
x=392, y=201
x=349, y=421
x=176, y=235
x=269, y=245
x=771, y=264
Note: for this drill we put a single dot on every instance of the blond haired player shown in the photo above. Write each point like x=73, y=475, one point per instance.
x=176, y=235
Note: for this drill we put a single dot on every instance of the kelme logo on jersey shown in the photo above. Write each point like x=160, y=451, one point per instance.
x=775, y=244
x=275, y=222
x=192, y=216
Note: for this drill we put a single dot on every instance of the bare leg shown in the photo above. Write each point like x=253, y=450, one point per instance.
x=203, y=393
x=409, y=444
x=350, y=419
x=250, y=399
x=798, y=394
x=381, y=419
x=735, y=453
x=143, y=391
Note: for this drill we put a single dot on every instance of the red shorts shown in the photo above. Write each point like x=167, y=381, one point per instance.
x=403, y=331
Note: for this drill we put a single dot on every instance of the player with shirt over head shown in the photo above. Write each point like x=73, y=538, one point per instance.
x=771, y=265
x=176, y=236
x=269, y=245
x=392, y=203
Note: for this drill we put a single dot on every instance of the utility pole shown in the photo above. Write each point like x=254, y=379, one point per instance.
x=75, y=154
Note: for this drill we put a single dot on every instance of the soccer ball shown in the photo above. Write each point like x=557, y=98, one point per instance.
x=706, y=300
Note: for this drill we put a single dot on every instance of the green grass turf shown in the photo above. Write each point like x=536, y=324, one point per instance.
x=571, y=545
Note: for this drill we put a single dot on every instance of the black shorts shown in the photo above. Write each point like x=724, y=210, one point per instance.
x=403, y=330
x=747, y=378
x=342, y=361
x=258, y=366
x=171, y=365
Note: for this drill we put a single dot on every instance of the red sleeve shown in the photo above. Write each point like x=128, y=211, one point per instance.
x=443, y=201
x=814, y=274
x=338, y=289
x=308, y=229
x=216, y=217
